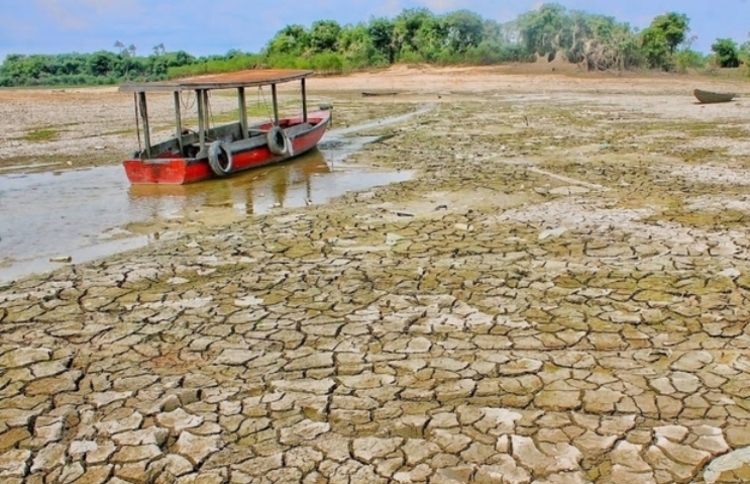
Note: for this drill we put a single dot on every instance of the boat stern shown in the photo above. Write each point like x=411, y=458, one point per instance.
x=163, y=171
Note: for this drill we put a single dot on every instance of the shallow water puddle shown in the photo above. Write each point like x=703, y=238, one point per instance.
x=72, y=214
x=91, y=213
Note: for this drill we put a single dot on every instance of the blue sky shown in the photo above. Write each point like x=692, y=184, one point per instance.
x=216, y=26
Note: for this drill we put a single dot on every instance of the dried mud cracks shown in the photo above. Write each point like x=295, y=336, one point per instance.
x=534, y=329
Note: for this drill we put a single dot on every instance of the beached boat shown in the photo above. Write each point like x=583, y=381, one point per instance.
x=378, y=93
x=713, y=97
x=218, y=151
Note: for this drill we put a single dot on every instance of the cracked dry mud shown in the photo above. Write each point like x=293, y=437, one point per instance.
x=557, y=297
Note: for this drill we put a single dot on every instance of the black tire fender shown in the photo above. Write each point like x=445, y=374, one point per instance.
x=277, y=141
x=216, y=151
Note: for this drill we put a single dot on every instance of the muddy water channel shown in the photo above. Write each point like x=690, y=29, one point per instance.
x=53, y=218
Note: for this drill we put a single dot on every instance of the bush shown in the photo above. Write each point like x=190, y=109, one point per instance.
x=215, y=66
x=410, y=57
x=327, y=63
x=727, y=53
x=285, y=61
x=488, y=54
x=689, y=59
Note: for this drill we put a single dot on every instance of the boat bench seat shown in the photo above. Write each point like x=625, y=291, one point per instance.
x=229, y=133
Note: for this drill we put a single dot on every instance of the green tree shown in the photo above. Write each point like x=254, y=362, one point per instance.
x=744, y=51
x=660, y=40
x=588, y=33
x=180, y=58
x=405, y=28
x=594, y=42
x=464, y=29
x=324, y=35
x=430, y=40
x=357, y=49
x=292, y=39
x=686, y=57
x=380, y=31
x=674, y=27
x=545, y=30
x=101, y=63
x=599, y=42
x=498, y=45
x=655, y=48
x=72, y=64
x=727, y=52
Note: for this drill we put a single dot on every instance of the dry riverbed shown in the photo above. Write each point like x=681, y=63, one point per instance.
x=558, y=296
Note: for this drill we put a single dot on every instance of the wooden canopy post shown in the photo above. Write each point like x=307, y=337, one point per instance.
x=243, y=111
x=275, y=105
x=201, y=85
x=304, y=101
x=206, y=114
x=178, y=120
x=201, y=118
x=144, y=118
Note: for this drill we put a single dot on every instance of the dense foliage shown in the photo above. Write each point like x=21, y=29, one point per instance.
x=592, y=41
x=727, y=53
x=102, y=67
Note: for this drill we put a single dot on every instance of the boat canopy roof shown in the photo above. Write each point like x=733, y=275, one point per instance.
x=230, y=80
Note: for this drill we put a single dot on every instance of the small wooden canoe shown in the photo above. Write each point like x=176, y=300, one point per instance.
x=713, y=97
x=376, y=93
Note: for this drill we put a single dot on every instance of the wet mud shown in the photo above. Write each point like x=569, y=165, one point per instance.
x=94, y=212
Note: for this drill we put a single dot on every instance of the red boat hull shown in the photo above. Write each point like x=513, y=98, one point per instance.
x=179, y=171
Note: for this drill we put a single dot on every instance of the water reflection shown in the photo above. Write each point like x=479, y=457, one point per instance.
x=287, y=184
x=93, y=213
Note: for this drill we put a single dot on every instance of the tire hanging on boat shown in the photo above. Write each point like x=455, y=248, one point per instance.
x=277, y=141
x=220, y=158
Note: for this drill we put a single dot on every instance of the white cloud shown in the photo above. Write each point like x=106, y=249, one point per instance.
x=78, y=14
x=388, y=8
x=443, y=5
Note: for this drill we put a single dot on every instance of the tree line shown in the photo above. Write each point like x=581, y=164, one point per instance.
x=592, y=41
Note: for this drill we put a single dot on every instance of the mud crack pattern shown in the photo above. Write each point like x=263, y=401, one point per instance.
x=485, y=322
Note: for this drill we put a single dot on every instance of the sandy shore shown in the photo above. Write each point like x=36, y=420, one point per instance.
x=558, y=296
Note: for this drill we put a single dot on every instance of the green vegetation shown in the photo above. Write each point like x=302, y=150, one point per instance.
x=727, y=54
x=40, y=134
x=661, y=39
x=100, y=67
x=234, y=60
x=592, y=41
